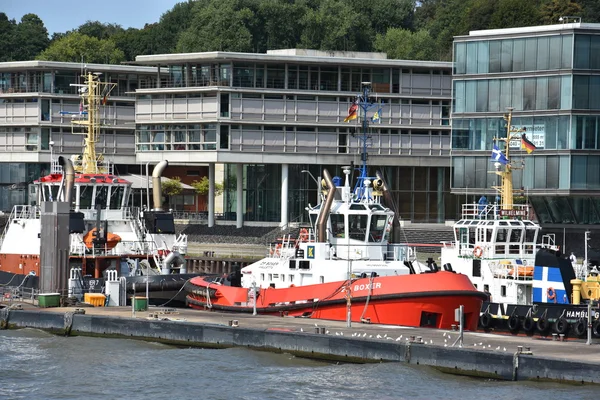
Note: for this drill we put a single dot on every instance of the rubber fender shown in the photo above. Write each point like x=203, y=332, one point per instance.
x=513, y=323
x=486, y=321
x=580, y=327
x=543, y=325
x=528, y=324
x=561, y=326
x=596, y=329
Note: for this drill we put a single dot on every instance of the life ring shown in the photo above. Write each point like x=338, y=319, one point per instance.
x=478, y=252
x=551, y=293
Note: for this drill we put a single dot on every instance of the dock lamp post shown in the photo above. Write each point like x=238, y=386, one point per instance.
x=305, y=171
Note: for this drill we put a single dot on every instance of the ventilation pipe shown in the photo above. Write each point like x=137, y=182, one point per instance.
x=68, y=177
x=389, y=202
x=324, y=214
x=156, y=184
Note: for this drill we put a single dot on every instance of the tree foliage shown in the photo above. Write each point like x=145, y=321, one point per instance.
x=7, y=32
x=172, y=187
x=30, y=37
x=406, y=45
x=201, y=187
x=76, y=47
x=427, y=27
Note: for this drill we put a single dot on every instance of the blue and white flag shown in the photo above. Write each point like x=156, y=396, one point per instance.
x=499, y=156
x=548, y=286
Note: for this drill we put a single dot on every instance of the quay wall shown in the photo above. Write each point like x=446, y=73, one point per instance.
x=461, y=361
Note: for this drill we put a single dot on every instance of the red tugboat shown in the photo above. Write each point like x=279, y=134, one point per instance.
x=344, y=268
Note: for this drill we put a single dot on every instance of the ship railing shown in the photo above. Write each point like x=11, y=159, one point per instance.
x=125, y=247
x=495, y=211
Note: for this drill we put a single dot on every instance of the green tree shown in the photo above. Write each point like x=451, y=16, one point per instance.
x=7, y=38
x=386, y=14
x=74, y=47
x=406, y=45
x=553, y=10
x=277, y=24
x=31, y=37
x=218, y=26
x=515, y=13
x=172, y=187
x=336, y=25
x=201, y=187
x=99, y=30
x=166, y=33
x=591, y=11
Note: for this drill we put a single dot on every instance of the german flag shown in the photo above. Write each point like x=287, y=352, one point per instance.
x=527, y=145
x=352, y=113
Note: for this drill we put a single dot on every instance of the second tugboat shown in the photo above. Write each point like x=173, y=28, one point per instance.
x=533, y=288
x=344, y=268
x=104, y=232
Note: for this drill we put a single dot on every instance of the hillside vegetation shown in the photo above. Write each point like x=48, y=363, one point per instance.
x=404, y=29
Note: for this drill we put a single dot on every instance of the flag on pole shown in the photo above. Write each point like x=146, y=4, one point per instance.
x=527, y=145
x=499, y=156
x=377, y=116
x=352, y=112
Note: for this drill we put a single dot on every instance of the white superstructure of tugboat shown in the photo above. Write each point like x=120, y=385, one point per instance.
x=105, y=233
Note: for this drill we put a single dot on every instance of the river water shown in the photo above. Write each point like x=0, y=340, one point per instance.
x=38, y=365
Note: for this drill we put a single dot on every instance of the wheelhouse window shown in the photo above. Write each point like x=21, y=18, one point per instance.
x=358, y=226
x=377, y=229
x=338, y=226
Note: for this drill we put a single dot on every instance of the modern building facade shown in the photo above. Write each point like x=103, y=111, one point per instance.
x=550, y=76
x=269, y=118
x=33, y=127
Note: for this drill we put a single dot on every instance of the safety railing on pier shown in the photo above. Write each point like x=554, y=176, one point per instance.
x=13, y=294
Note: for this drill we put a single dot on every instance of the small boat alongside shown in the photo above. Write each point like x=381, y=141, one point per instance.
x=344, y=268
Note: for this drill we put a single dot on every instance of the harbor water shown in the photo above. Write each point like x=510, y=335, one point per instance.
x=38, y=365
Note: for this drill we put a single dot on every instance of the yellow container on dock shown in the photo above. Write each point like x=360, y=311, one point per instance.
x=95, y=299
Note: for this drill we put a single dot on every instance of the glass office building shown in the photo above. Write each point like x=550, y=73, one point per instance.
x=550, y=77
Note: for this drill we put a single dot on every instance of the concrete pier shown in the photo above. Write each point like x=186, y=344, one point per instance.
x=484, y=355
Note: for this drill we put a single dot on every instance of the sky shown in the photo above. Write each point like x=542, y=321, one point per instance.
x=64, y=15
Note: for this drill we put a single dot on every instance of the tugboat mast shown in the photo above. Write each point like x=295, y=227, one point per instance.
x=365, y=104
x=506, y=187
x=93, y=94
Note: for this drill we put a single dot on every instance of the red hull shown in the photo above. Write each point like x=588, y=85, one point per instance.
x=409, y=300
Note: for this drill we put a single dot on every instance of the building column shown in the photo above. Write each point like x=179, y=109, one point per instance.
x=211, y=195
x=284, y=196
x=239, y=212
